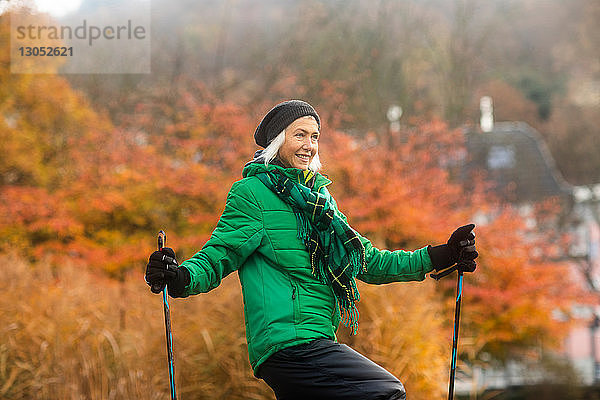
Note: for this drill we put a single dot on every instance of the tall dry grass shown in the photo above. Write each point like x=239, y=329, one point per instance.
x=68, y=333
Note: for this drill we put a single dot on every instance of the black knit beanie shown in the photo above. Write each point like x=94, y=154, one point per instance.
x=280, y=117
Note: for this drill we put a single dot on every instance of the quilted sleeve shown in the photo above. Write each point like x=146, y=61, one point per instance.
x=238, y=234
x=384, y=266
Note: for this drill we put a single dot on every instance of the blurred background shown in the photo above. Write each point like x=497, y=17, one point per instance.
x=435, y=113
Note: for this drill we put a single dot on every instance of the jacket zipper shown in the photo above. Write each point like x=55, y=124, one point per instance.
x=293, y=292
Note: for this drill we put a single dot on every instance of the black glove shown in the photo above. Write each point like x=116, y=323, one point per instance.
x=460, y=249
x=162, y=269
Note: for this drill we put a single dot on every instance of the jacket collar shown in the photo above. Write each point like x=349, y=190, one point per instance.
x=298, y=175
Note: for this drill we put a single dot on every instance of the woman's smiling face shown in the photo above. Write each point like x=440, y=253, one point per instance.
x=301, y=143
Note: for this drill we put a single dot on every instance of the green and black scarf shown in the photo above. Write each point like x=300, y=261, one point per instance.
x=336, y=253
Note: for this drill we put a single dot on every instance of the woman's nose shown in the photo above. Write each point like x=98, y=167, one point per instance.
x=307, y=143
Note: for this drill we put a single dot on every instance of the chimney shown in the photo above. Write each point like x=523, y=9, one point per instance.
x=393, y=115
x=487, y=114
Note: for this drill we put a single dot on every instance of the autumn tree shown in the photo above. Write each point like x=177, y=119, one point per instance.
x=40, y=117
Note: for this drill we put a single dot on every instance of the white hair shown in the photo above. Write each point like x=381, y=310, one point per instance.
x=272, y=149
x=270, y=152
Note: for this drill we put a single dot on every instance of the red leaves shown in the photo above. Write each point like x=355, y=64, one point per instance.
x=106, y=191
x=394, y=186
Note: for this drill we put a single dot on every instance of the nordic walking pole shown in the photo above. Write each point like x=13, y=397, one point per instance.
x=162, y=241
x=459, y=286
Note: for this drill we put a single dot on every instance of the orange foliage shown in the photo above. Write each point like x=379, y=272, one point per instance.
x=396, y=188
x=513, y=298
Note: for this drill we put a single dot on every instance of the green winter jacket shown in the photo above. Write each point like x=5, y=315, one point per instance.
x=284, y=304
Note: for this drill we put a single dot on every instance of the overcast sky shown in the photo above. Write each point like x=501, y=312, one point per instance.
x=58, y=8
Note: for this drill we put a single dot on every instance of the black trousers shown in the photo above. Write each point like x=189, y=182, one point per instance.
x=324, y=369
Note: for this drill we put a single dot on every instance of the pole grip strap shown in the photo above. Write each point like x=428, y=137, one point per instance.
x=444, y=273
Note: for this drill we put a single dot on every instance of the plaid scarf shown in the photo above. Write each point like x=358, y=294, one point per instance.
x=336, y=253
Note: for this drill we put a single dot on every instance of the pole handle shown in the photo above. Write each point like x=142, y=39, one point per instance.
x=162, y=242
x=162, y=239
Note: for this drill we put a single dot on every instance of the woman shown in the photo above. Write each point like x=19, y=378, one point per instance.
x=297, y=260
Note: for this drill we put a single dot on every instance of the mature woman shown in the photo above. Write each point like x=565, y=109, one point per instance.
x=297, y=259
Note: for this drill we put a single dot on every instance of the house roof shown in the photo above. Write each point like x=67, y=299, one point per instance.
x=517, y=162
